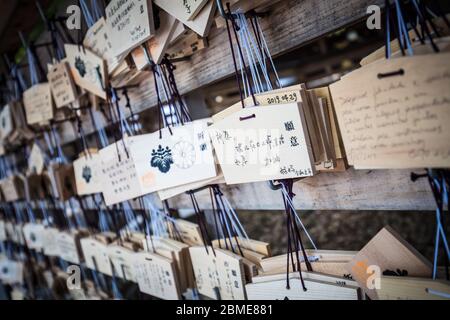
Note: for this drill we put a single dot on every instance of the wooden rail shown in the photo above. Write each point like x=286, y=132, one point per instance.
x=290, y=24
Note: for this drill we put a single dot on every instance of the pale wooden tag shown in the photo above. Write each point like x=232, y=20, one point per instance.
x=98, y=40
x=390, y=253
x=96, y=255
x=12, y=188
x=408, y=288
x=178, y=33
x=88, y=70
x=62, y=84
x=11, y=272
x=130, y=22
x=260, y=247
x=179, y=158
x=394, y=113
x=188, y=44
x=203, y=21
x=260, y=144
x=316, y=290
x=18, y=234
x=34, y=235
x=2, y=231
x=182, y=10
x=177, y=252
x=70, y=246
x=330, y=262
x=156, y=276
x=62, y=180
x=118, y=173
x=188, y=232
x=6, y=122
x=158, y=44
x=50, y=244
x=38, y=103
x=36, y=160
x=218, y=277
x=9, y=230
x=87, y=170
x=122, y=260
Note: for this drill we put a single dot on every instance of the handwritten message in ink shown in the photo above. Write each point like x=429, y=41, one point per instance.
x=395, y=113
x=130, y=22
x=263, y=143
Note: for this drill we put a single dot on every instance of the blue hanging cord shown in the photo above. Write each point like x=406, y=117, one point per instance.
x=440, y=231
x=115, y=289
x=291, y=205
x=403, y=32
x=34, y=77
x=87, y=14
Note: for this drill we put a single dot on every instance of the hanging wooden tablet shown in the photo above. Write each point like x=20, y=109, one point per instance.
x=38, y=103
x=260, y=144
x=330, y=262
x=122, y=260
x=11, y=272
x=96, y=255
x=9, y=230
x=87, y=173
x=391, y=254
x=2, y=231
x=34, y=235
x=175, y=159
x=98, y=40
x=63, y=180
x=88, y=70
x=20, y=122
x=188, y=44
x=36, y=160
x=408, y=288
x=256, y=246
x=201, y=24
x=182, y=10
x=33, y=187
x=131, y=24
x=394, y=113
x=118, y=173
x=275, y=289
x=6, y=122
x=12, y=188
x=219, y=276
x=50, y=244
x=158, y=44
x=70, y=245
x=62, y=84
x=178, y=33
x=155, y=276
x=18, y=234
x=188, y=231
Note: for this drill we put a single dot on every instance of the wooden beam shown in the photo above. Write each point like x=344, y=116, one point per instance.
x=289, y=25
x=350, y=190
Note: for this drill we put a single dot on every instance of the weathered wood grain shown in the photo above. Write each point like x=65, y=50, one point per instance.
x=289, y=25
x=350, y=190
